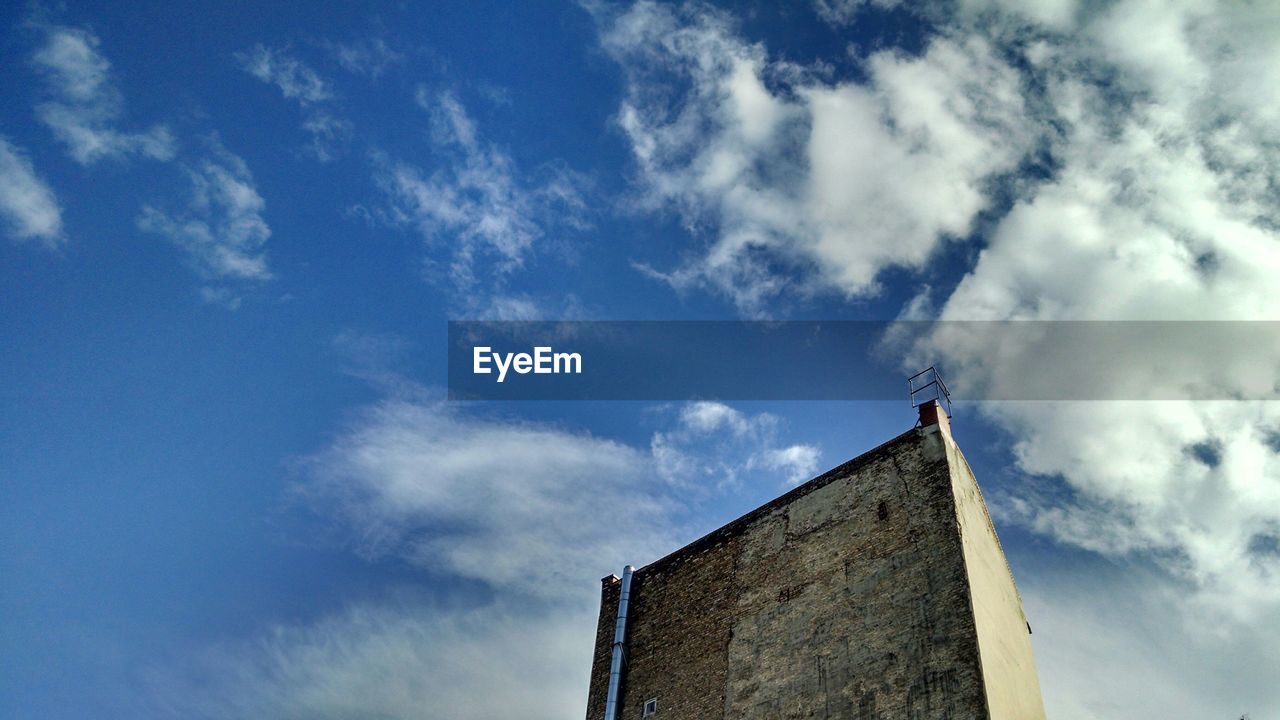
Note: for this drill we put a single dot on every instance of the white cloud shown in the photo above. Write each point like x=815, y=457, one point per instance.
x=85, y=105
x=378, y=359
x=328, y=133
x=799, y=462
x=1191, y=485
x=369, y=57
x=489, y=500
x=714, y=446
x=830, y=182
x=1160, y=207
x=486, y=498
x=224, y=296
x=1158, y=210
x=477, y=202
x=29, y=207
x=295, y=80
x=302, y=84
x=393, y=659
x=222, y=229
x=514, y=308
x=1158, y=122
x=517, y=306
x=1142, y=651
x=534, y=513
x=706, y=416
x=843, y=12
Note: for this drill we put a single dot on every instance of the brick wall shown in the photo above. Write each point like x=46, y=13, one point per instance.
x=846, y=598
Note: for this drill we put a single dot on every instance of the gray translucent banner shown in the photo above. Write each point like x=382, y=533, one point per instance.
x=856, y=360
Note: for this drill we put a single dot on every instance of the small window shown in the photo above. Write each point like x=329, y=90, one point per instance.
x=650, y=707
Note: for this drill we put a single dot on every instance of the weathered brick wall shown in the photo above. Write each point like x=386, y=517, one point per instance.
x=678, y=642
x=610, y=589
x=846, y=598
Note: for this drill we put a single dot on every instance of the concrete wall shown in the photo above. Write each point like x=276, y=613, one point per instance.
x=1004, y=636
x=846, y=598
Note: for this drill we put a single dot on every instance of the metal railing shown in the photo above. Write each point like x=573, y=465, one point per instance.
x=928, y=385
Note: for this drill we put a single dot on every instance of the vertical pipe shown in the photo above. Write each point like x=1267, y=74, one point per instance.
x=619, y=637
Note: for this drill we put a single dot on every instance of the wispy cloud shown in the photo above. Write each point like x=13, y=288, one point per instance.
x=30, y=209
x=221, y=229
x=476, y=201
x=300, y=83
x=432, y=483
x=843, y=12
x=328, y=133
x=84, y=105
x=397, y=658
x=533, y=513
x=370, y=57
x=276, y=67
x=429, y=482
x=510, y=307
x=224, y=296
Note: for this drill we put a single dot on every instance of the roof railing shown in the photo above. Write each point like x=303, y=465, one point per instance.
x=928, y=385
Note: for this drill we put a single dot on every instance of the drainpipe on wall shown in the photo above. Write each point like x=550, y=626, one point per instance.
x=619, y=637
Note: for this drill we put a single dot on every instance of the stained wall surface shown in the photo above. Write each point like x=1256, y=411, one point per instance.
x=848, y=597
x=1004, y=635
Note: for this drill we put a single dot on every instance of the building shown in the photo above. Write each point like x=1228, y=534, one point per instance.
x=876, y=590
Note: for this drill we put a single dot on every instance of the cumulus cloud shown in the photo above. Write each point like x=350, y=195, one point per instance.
x=29, y=207
x=798, y=462
x=1151, y=128
x=476, y=201
x=300, y=83
x=84, y=106
x=1192, y=485
x=1158, y=210
x=782, y=169
x=221, y=229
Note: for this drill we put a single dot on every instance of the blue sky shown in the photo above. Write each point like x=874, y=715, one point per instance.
x=234, y=235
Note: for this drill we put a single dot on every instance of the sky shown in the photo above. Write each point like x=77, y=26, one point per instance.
x=231, y=484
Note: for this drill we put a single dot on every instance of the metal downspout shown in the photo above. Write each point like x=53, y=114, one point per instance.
x=619, y=637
